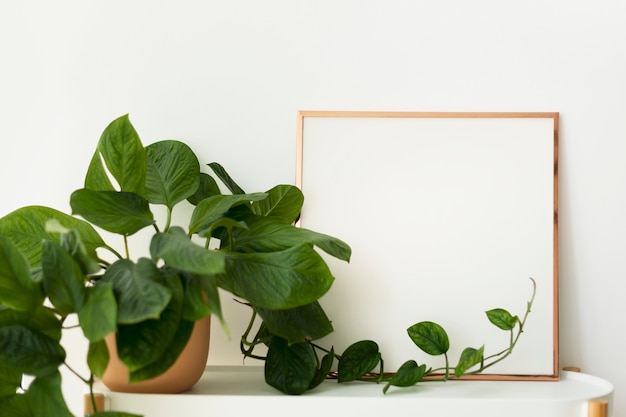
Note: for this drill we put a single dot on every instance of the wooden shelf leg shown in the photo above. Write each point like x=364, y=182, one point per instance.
x=88, y=406
x=598, y=408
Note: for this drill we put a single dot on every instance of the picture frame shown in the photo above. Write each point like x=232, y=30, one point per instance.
x=449, y=214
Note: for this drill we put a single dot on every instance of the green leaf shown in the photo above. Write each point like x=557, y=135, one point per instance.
x=18, y=290
x=267, y=235
x=277, y=280
x=469, y=357
x=172, y=174
x=407, y=375
x=283, y=203
x=145, y=342
x=213, y=208
x=226, y=179
x=98, y=317
x=71, y=242
x=201, y=296
x=39, y=318
x=324, y=369
x=299, y=324
x=124, y=157
x=29, y=351
x=168, y=357
x=138, y=290
x=16, y=405
x=124, y=213
x=26, y=228
x=357, y=360
x=10, y=380
x=502, y=318
x=290, y=368
x=430, y=337
x=178, y=251
x=207, y=188
x=98, y=357
x=46, y=398
x=63, y=279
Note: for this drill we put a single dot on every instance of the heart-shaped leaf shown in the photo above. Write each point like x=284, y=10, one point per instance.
x=121, y=154
x=140, y=294
x=283, y=203
x=430, y=337
x=124, y=213
x=290, y=368
x=277, y=280
x=357, y=360
x=173, y=172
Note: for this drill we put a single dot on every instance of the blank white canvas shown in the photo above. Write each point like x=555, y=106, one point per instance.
x=447, y=217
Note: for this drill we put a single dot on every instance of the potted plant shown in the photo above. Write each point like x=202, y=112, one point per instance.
x=148, y=308
x=55, y=265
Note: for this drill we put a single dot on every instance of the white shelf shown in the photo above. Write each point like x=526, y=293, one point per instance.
x=239, y=390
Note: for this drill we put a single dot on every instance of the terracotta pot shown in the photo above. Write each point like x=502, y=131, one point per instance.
x=180, y=377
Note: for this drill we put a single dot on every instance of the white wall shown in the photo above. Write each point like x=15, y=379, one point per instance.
x=228, y=77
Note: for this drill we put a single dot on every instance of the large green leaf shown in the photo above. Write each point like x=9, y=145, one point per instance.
x=290, y=368
x=10, y=380
x=201, y=296
x=178, y=251
x=71, y=242
x=16, y=405
x=207, y=188
x=18, y=290
x=299, y=324
x=430, y=337
x=142, y=344
x=29, y=351
x=172, y=174
x=357, y=360
x=98, y=358
x=226, y=178
x=46, y=398
x=168, y=357
x=267, y=235
x=63, y=279
x=278, y=280
x=39, y=318
x=283, y=203
x=124, y=213
x=98, y=317
x=140, y=294
x=213, y=208
x=124, y=157
x=26, y=228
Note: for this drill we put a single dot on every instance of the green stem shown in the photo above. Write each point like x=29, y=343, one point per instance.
x=506, y=352
x=168, y=220
x=86, y=381
x=126, y=247
x=94, y=407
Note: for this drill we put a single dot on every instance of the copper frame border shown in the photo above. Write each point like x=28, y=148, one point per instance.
x=302, y=114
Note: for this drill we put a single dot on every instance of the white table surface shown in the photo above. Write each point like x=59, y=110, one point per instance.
x=241, y=390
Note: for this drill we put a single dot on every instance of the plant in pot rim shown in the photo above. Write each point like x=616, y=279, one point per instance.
x=52, y=267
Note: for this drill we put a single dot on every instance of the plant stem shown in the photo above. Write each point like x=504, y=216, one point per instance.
x=506, y=352
x=126, y=246
x=168, y=220
x=86, y=381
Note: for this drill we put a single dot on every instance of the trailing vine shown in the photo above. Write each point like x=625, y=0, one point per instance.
x=294, y=368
